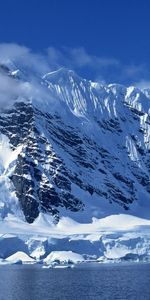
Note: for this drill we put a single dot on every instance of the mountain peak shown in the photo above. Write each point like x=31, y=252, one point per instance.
x=62, y=73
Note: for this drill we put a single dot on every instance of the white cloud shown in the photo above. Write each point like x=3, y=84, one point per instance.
x=11, y=89
x=78, y=58
x=143, y=84
x=82, y=58
x=23, y=56
x=31, y=63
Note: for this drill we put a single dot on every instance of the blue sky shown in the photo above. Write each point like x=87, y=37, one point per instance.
x=107, y=40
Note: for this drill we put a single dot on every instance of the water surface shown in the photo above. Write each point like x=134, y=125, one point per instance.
x=93, y=282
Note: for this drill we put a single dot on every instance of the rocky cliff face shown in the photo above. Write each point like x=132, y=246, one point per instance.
x=84, y=147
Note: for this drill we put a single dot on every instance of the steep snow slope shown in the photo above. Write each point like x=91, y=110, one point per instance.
x=8, y=200
x=77, y=148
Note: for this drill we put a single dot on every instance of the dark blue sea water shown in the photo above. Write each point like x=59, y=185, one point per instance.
x=92, y=282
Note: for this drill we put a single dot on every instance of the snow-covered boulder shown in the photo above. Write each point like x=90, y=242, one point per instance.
x=63, y=257
x=20, y=257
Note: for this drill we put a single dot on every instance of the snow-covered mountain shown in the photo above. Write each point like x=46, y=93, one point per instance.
x=72, y=147
x=74, y=168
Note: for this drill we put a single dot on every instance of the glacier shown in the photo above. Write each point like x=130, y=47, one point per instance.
x=116, y=238
x=74, y=168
